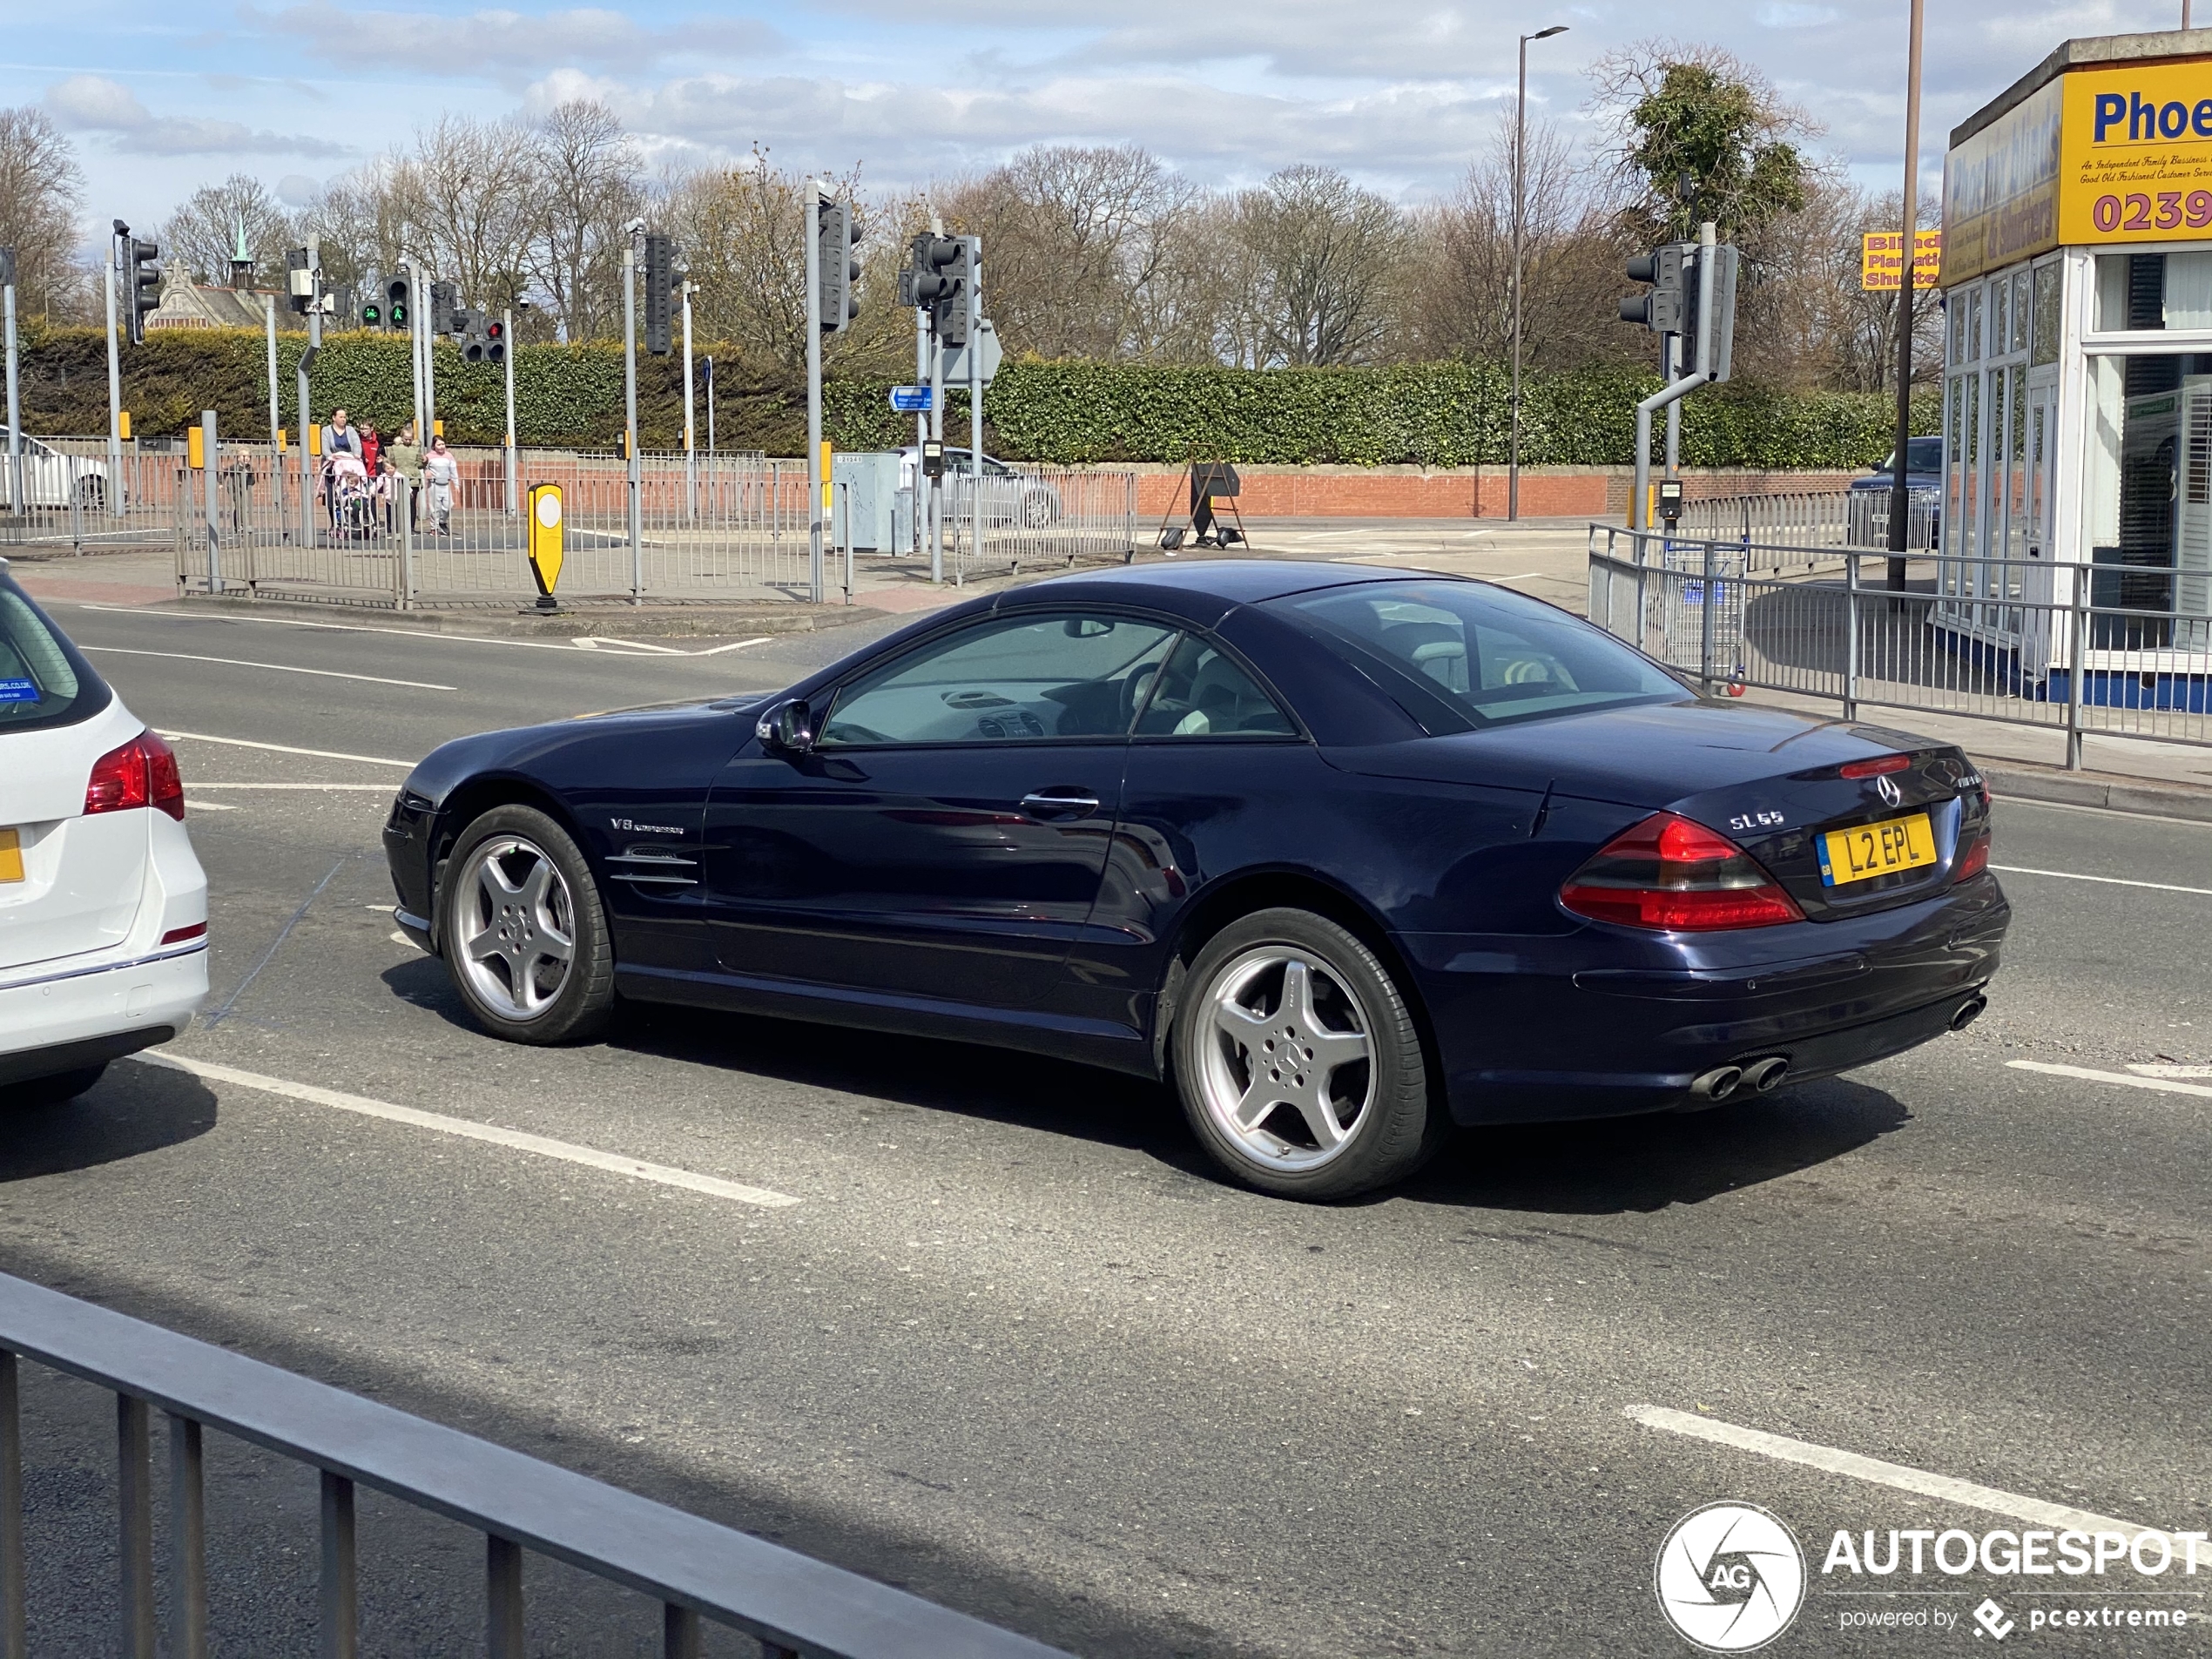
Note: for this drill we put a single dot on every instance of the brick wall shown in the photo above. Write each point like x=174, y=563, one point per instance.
x=1467, y=492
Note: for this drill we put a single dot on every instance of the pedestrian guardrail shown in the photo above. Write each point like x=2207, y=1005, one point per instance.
x=707, y=527
x=2020, y=641
x=697, y=1569
x=1803, y=530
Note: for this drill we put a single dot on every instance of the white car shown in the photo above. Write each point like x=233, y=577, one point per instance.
x=1010, y=497
x=52, y=479
x=103, y=905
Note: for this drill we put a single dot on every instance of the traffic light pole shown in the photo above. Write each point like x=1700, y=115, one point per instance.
x=306, y=408
x=690, y=419
x=918, y=513
x=635, y=470
x=974, y=354
x=814, y=391
x=506, y=335
x=1676, y=390
x=114, y=376
x=1669, y=370
x=276, y=393
x=17, y=505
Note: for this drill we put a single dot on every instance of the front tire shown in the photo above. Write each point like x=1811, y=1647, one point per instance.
x=525, y=936
x=1299, y=1063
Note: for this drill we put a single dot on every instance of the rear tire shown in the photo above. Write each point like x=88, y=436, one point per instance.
x=57, y=1090
x=1299, y=1061
x=523, y=934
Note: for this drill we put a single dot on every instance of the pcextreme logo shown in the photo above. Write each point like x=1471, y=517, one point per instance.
x=1730, y=1577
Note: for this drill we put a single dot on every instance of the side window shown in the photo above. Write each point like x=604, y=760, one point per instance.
x=1203, y=693
x=1012, y=678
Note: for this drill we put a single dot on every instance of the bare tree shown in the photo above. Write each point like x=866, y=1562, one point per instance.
x=472, y=192
x=203, y=231
x=587, y=184
x=1460, y=303
x=1807, y=321
x=1320, y=260
x=42, y=190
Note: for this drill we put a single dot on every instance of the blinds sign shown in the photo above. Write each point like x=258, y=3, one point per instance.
x=2137, y=161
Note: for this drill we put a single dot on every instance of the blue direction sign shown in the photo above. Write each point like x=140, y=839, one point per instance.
x=911, y=399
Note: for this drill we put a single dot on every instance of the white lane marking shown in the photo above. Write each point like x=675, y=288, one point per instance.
x=2164, y=1085
x=566, y=1151
x=194, y=804
x=2108, y=880
x=1946, y=1488
x=594, y=642
x=399, y=938
x=385, y=789
x=2172, y=1071
x=285, y=748
x=416, y=633
x=280, y=668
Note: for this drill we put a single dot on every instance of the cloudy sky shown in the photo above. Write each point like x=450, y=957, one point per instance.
x=1398, y=92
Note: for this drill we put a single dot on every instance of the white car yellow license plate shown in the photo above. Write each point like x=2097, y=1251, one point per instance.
x=11, y=855
x=1869, y=850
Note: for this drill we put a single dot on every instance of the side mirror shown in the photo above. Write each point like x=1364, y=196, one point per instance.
x=788, y=726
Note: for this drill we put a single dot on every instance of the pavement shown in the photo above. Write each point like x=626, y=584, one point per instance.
x=1015, y=1348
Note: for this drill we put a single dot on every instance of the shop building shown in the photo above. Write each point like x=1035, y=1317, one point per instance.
x=2077, y=286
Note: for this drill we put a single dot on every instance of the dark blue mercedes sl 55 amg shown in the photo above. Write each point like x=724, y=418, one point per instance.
x=1347, y=857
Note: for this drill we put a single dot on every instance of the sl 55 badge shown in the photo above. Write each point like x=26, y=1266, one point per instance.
x=1757, y=820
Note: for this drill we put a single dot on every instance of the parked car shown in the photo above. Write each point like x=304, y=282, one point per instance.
x=103, y=905
x=1349, y=857
x=52, y=479
x=1010, y=497
x=1868, y=501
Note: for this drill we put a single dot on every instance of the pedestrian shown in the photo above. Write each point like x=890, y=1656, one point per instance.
x=339, y=438
x=371, y=446
x=441, y=472
x=406, y=458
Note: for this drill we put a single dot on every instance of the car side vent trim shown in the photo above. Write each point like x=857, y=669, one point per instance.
x=649, y=867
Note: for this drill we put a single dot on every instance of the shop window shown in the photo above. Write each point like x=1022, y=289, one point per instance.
x=2148, y=496
x=2018, y=339
x=2047, y=279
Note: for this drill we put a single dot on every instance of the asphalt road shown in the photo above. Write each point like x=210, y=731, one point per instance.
x=1016, y=1349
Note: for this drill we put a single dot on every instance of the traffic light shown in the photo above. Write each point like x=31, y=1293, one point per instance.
x=660, y=284
x=395, y=302
x=936, y=282
x=299, y=281
x=837, y=268
x=1665, y=309
x=145, y=287
x=444, y=300
x=494, y=341
x=477, y=332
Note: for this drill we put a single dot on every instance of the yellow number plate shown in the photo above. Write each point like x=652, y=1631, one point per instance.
x=11, y=856
x=1876, y=849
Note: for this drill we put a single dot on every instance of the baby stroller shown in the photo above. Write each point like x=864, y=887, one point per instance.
x=353, y=499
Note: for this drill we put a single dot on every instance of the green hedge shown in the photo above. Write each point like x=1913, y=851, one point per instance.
x=1436, y=414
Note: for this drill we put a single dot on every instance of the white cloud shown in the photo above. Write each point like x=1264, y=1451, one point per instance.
x=93, y=104
x=504, y=43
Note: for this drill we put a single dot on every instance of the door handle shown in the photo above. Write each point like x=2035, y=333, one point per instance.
x=1046, y=803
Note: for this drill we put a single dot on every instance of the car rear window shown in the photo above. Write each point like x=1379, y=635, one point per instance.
x=1458, y=655
x=43, y=681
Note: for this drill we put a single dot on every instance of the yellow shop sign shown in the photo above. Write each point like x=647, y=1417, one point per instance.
x=2136, y=161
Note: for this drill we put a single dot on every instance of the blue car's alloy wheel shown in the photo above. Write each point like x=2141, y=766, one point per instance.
x=525, y=940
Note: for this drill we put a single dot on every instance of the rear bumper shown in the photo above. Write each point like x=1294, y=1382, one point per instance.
x=81, y=1017
x=1594, y=1024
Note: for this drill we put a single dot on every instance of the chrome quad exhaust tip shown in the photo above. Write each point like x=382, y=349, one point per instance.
x=1969, y=1011
x=1766, y=1074
x=1718, y=1084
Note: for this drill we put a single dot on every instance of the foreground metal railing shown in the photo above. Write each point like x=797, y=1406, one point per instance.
x=696, y=1569
x=2023, y=642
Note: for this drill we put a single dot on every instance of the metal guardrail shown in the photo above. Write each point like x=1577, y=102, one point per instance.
x=697, y=1569
x=1802, y=529
x=2015, y=641
x=709, y=527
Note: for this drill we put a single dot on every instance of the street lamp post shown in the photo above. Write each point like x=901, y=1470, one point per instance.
x=1900, y=489
x=1519, y=143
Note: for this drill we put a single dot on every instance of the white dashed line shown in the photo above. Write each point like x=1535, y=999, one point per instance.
x=280, y=668
x=285, y=748
x=518, y=1140
x=1944, y=1487
x=2162, y=1085
x=2108, y=880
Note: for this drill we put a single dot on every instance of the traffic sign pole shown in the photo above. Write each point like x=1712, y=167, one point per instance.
x=975, y=354
x=17, y=504
x=814, y=390
x=114, y=375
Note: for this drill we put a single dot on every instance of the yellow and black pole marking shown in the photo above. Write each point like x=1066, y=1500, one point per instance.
x=545, y=542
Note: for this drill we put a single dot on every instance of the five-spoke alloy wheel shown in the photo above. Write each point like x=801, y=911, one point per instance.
x=1299, y=1064
x=525, y=936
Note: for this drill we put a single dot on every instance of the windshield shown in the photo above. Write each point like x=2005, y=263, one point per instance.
x=43, y=681
x=1921, y=455
x=1460, y=654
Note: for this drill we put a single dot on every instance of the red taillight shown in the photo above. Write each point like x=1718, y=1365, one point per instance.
x=1974, y=857
x=178, y=935
x=142, y=773
x=1668, y=872
x=1874, y=768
